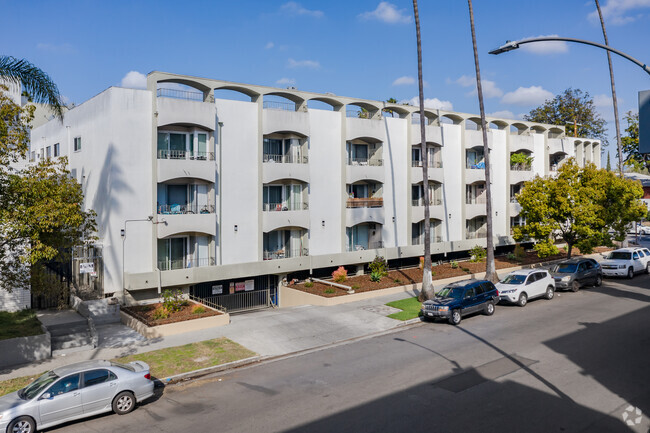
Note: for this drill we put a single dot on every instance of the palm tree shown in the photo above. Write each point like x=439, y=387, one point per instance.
x=427, y=288
x=490, y=271
x=38, y=85
x=611, y=77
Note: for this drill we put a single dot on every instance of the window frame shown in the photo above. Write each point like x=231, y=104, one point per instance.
x=76, y=144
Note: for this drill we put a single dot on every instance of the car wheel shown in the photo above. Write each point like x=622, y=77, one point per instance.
x=550, y=292
x=455, y=317
x=23, y=424
x=647, y=268
x=630, y=273
x=599, y=281
x=123, y=403
x=575, y=286
x=523, y=300
x=489, y=309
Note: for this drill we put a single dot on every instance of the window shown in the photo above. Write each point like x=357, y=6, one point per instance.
x=470, y=293
x=57, y=149
x=77, y=144
x=588, y=265
x=64, y=385
x=480, y=289
x=635, y=256
x=32, y=156
x=95, y=377
x=48, y=152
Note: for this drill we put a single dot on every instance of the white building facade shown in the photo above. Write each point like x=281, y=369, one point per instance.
x=192, y=190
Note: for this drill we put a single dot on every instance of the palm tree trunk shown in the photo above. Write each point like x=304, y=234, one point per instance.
x=490, y=271
x=427, y=288
x=611, y=77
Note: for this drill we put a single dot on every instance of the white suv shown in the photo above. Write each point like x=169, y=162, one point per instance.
x=626, y=262
x=519, y=286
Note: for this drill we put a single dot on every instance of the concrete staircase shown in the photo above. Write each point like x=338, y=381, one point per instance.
x=68, y=330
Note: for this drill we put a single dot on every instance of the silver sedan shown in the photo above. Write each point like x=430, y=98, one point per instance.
x=73, y=392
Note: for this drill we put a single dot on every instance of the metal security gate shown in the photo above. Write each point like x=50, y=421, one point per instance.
x=238, y=302
x=263, y=295
x=88, y=272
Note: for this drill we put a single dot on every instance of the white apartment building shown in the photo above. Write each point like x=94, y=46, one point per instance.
x=194, y=191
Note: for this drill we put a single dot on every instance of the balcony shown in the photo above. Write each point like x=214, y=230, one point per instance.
x=177, y=209
x=285, y=253
x=420, y=240
x=520, y=167
x=480, y=234
x=358, y=169
x=176, y=164
x=371, y=246
x=282, y=116
x=520, y=173
x=420, y=202
x=177, y=107
x=365, y=162
x=475, y=206
x=284, y=159
x=354, y=203
x=186, y=219
x=185, y=154
x=277, y=215
x=185, y=263
x=277, y=167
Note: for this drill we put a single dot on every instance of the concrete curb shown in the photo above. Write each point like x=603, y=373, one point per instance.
x=195, y=374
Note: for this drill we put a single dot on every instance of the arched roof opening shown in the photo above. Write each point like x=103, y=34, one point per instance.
x=518, y=128
x=280, y=101
x=176, y=90
x=454, y=118
x=334, y=103
x=367, y=180
x=317, y=104
x=252, y=94
x=473, y=123
x=538, y=129
x=293, y=227
x=395, y=110
x=369, y=140
x=477, y=182
x=285, y=181
x=233, y=94
x=429, y=144
x=361, y=110
x=284, y=134
x=497, y=124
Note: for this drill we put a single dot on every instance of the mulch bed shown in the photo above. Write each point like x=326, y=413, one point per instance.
x=401, y=277
x=144, y=313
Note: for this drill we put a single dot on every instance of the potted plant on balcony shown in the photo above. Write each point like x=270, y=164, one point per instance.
x=520, y=161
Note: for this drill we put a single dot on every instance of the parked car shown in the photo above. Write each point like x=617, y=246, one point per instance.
x=640, y=229
x=577, y=272
x=73, y=392
x=626, y=262
x=520, y=286
x=459, y=299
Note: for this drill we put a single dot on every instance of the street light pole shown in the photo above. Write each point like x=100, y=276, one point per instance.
x=513, y=45
x=123, y=234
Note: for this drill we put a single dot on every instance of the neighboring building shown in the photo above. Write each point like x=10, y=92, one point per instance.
x=645, y=183
x=195, y=191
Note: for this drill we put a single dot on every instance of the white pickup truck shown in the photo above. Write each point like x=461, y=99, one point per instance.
x=626, y=262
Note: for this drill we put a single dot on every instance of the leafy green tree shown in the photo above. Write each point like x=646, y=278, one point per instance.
x=38, y=85
x=639, y=162
x=609, y=164
x=579, y=206
x=41, y=206
x=573, y=106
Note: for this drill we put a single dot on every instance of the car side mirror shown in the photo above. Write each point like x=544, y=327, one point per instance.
x=46, y=396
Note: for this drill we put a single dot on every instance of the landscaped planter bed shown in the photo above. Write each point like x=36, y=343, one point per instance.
x=411, y=276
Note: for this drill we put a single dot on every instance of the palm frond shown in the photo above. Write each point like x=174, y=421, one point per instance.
x=34, y=81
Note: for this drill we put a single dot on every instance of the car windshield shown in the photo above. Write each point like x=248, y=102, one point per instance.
x=514, y=279
x=565, y=268
x=450, y=292
x=619, y=255
x=34, y=388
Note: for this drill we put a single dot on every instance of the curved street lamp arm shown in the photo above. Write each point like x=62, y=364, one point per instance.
x=513, y=45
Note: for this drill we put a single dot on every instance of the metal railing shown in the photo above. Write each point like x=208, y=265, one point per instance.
x=353, y=203
x=240, y=301
x=475, y=200
x=475, y=235
x=284, y=159
x=279, y=105
x=185, y=154
x=432, y=202
x=285, y=253
x=184, y=263
x=174, y=209
x=359, y=114
x=366, y=161
x=370, y=246
x=278, y=207
x=180, y=94
x=420, y=239
x=520, y=167
x=432, y=164
x=553, y=167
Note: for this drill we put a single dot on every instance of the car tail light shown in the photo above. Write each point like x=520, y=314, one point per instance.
x=147, y=376
x=497, y=292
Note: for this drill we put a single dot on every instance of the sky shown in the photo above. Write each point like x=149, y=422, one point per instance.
x=362, y=48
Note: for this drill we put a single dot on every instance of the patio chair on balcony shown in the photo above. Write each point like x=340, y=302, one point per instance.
x=175, y=209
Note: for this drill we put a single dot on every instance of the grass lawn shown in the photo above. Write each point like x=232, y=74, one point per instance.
x=19, y=324
x=12, y=385
x=181, y=359
x=410, y=308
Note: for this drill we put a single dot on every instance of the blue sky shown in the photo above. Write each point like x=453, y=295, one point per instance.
x=357, y=48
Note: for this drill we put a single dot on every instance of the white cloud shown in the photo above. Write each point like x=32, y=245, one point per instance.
x=311, y=64
x=490, y=89
x=134, y=80
x=546, y=47
x=387, y=13
x=504, y=114
x=434, y=103
x=56, y=48
x=404, y=81
x=294, y=8
x=606, y=101
x=526, y=96
x=269, y=45
x=286, y=82
x=619, y=12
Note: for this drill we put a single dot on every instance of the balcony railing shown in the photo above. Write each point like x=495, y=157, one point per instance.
x=180, y=94
x=432, y=202
x=359, y=114
x=475, y=200
x=364, y=202
x=432, y=164
x=285, y=253
x=366, y=161
x=520, y=167
x=476, y=166
x=185, y=263
x=475, y=235
x=185, y=154
x=284, y=159
x=278, y=207
x=420, y=239
x=370, y=246
x=178, y=209
x=278, y=105
x=553, y=167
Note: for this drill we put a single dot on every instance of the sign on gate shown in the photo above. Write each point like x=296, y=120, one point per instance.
x=87, y=268
x=249, y=285
x=217, y=290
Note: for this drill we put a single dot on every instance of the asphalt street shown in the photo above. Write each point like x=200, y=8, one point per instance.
x=571, y=364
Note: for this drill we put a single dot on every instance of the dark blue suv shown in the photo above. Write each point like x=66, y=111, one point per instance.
x=459, y=299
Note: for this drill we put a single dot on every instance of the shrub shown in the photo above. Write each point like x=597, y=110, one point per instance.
x=466, y=270
x=478, y=253
x=340, y=275
x=421, y=263
x=375, y=277
x=454, y=264
x=379, y=266
x=356, y=287
x=309, y=284
x=433, y=273
x=330, y=290
x=512, y=256
x=397, y=281
x=520, y=252
x=160, y=313
x=198, y=309
x=173, y=301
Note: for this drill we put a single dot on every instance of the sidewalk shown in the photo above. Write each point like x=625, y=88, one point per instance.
x=268, y=333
